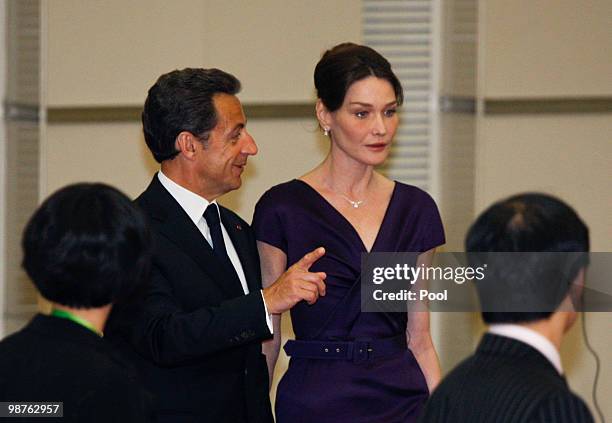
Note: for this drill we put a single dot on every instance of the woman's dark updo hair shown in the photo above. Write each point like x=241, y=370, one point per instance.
x=345, y=64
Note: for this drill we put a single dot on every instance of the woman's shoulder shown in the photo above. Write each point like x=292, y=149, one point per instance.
x=286, y=193
x=413, y=195
x=274, y=212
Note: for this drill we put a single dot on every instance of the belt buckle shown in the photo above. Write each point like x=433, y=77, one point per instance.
x=362, y=351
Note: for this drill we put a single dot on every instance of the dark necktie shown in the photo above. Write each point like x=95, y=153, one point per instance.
x=214, y=224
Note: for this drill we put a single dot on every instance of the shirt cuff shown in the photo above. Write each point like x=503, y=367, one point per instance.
x=268, y=316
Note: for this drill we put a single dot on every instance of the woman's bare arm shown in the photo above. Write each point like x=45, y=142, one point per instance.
x=418, y=333
x=273, y=264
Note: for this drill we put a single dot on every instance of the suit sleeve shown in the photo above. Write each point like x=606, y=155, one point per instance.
x=168, y=335
x=562, y=409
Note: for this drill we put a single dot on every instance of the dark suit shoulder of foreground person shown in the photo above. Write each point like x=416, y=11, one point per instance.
x=505, y=381
x=57, y=360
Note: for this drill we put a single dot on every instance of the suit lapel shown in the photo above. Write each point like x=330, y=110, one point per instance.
x=243, y=248
x=172, y=222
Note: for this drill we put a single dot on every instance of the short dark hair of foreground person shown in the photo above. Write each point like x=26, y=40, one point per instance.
x=86, y=247
x=530, y=222
x=516, y=374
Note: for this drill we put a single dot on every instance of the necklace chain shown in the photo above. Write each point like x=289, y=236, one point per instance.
x=355, y=203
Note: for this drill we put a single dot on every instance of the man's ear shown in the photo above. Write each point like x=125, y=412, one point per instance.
x=577, y=289
x=185, y=143
x=323, y=115
x=573, y=299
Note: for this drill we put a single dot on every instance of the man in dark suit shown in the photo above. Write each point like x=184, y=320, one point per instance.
x=196, y=334
x=528, y=302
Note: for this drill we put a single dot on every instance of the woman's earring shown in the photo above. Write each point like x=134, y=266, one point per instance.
x=326, y=132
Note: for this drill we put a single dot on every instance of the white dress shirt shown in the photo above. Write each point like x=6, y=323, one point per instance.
x=530, y=337
x=195, y=206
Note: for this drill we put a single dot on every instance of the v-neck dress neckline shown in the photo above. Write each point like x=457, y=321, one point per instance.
x=347, y=222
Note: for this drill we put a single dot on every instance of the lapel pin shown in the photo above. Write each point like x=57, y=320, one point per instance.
x=239, y=227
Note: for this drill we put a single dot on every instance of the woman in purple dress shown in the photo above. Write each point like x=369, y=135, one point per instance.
x=349, y=366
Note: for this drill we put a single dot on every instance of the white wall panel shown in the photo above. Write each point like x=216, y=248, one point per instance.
x=273, y=46
x=547, y=48
x=110, y=52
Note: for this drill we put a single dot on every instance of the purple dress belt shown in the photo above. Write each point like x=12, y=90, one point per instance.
x=357, y=351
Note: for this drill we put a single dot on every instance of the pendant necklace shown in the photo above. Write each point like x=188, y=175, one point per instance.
x=355, y=203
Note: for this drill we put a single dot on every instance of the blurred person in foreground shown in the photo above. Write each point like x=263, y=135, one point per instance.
x=195, y=336
x=516, y=374
x=86, y=247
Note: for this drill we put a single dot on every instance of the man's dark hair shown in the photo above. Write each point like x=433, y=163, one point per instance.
x=527, y=223
x=87, y=246
x=346, y=64
x=182, y=100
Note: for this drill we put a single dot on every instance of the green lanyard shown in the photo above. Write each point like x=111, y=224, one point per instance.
x=76, y=319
